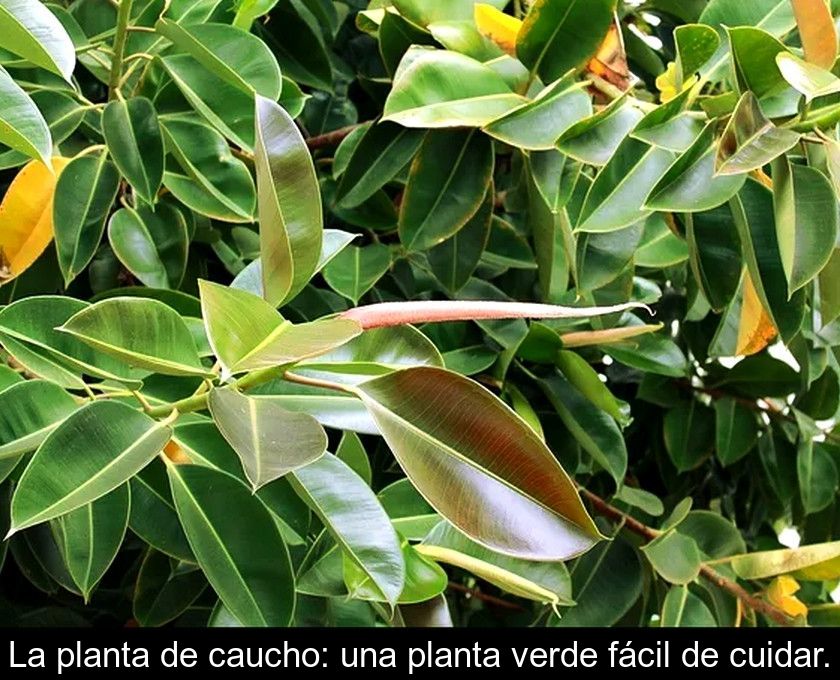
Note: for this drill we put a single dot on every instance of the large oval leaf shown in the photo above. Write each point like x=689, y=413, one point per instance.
x=291, y=220
x=357, y=269
x=242, y=553
x=22, y=126
x=29, y=411
x=455, y=440
x=90, y=454
x=32, y=31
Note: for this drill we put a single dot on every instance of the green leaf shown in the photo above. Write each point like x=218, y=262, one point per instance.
x=750, y=140
x=224, y=106
x=383, y=150
x=675, y=557
x=809, y=79
x=84, y=195
x=464, y=37
x=291, y=221
x=236, y=56
x=143, y=333
x=754, y=53
x=22, y=126
x=424, y=12
x=537, y=124
x=90, y=536
x=660, y=247
x=830, y=288
x=410, y=514
x=616, y=197
x=439, y=88
x=602, y=258
x=715, y=254
x=652, y=353
x=736, y=430
x=695, y=45
x=31, y=31
x=355, y=270
x=752, y=210
x=164, y=591
x=558, y=35
x=595, y=431
x=134, y=140
x=689, y=431
x=442, y=450
x=29, y=411
x=594, y=140
x=352, y=452
x=805, y=207
x=249, y=570
x=446, y=185
x=356, y=520
x=225, y=189
x=95, y=450
x=269, y=440
x=817, y=474
x=683, y=609
x=546, y=582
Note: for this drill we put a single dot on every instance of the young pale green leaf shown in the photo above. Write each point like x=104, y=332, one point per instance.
x=805, y=207
x=675, y=557
x=809, y=79
x=750, y=140
x=595, y=431
x=695, y=45
x=225, y=189
x=152, y=244
x=90, y=536
x=356, y=520
x=31, y=31
x=546, y=582
x=446, y=184
x=291, y=221
x=248, y=11
x=464, y=37
x=438, y=424
x=236, y=56
x=241, y=552
x=355, y=270
x=92, y=452
x=135, y=143
x=537, y=124
x=684, y=609
x=22, y=126
x=770, y=563
x=439, y=89
x=736, y=430
x=594, y=140
x=83, y=198
x=269, y=440
x=558, y=35
x=165, y=590
x=141, y=332
x=29, y=411
x=383, y=150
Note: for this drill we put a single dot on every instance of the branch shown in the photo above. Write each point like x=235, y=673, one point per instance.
x=333, y=138
x=648, y=533
x=123, y=16
x=489, y=599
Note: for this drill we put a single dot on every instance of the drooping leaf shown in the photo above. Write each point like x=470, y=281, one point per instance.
x=689, y=431
x=770, y=563
x=441, y=450
x=242, y=554
x=715, y=254
x=92, y=452
x=22, y=126
x=736, y=430
x=135, y=143
x=165, y=590
x=32, y=31
x=809, y=79
x=594, y=140
x=291, y=221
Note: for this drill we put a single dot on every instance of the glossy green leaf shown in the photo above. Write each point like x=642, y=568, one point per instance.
x=351, y=451
x=689, y=431
x=446, y=185
x=291, y=221
x=558, y=35
x=22, y=126
x=135, y=143
x=594, y=140
x=684, y=609
x=464, y=37
x=603, y=257
x=67, y=471
x=439, y=448
x=410, y=514
x=652, y=352
x=754, y=54
x=143, y=333
x=424, y=12
x=29, y=411
x=165, y=590
x=356, y=520
x=715, y=254
x=675, y=557
x=659, y=246
x=805, y=207
x=695, y=45
x=356, y=269
x=90, y=536
x=225, y=187
x=537, y=124
x=32, y=32
x=236, y=56
x=249, y=570
x=809, y=79
x=736, y=430
x=817, y=475
x=269, y=440
x=446, y=89
x=380, y=154
x=84, y=195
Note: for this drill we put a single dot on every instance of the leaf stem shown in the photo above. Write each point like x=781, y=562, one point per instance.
x=123, y=15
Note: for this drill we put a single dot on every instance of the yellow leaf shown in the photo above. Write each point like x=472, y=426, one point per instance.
x=610, y=62
x=817, y=31
x=499, y=27
x=175, y=453
x=755, y=329
x=26, y=225
x=781, y=593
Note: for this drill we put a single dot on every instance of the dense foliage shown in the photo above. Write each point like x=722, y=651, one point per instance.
x=419, y=312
